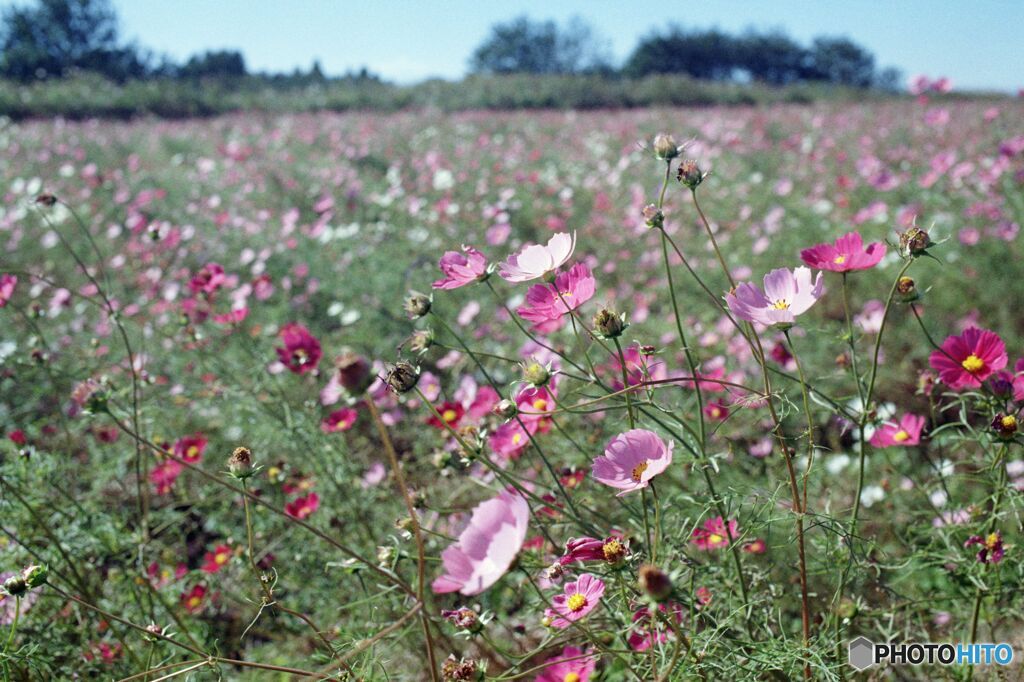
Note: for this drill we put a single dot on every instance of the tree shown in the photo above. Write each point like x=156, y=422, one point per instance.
x=772, y=58
x=841, y=61
x=56, y=36
x=214, y=64
x=710, y=55
x=526, y=46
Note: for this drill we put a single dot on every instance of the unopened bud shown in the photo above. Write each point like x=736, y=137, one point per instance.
x=536, y=374
x=655, y=582
x=16, y=585
x=354, y=371
x=240, y=463
x=653, y=216
x=906, y=290
x=609, y=324
x=46, y=199
x=915, y=241
x=35, y=575
x=665, y=147
x=506, y=409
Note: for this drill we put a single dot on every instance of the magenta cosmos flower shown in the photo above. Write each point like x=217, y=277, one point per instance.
x=460, y=270
x=486, y=547
x=578, y=599
x=967, y=360
x=7, y=284
x=572, y=665
x=535, y=261
x=847, y=254
x=613, y=550
x=301, y=351
x=906, y=432
x=632, y=459
x=786, y=294
x=714, y=534
x=548, y=302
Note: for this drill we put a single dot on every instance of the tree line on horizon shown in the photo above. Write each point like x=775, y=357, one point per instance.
x=53, y=39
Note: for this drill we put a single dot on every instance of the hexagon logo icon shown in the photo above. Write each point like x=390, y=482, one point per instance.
x=862, y=653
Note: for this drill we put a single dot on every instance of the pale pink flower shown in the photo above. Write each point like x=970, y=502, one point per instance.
x=632, y=459
x=535, y=261
x=786, y=295
x=578, y=599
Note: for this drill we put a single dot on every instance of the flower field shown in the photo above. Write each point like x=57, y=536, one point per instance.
x=662, y=394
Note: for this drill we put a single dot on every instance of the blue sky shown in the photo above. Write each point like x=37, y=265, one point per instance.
x=977, y=44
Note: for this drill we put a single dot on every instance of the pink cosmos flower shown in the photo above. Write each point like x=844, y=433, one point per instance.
x=194, y=599
x=786, y=295
x=967, y=360
x=301, y=351
x=847, y=254
x=641, y=366
x=547, y=302
x=164, y=474
x=535, y=261
x=610, y=550
x=644, y=633
x=7, y=284
x=578, y=599
x=906, y=432
x=632, y=459
x=508, y=440
x=460, y=270
x=233, y=317
x=568, y=666
x=487, y=547
x=209, y=278
x=992, y=549
x=339, y=420
x=713, y=534
x=301, y=507
x=190, y=448
x=217, y=559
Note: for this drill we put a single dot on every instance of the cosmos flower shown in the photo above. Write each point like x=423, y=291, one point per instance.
x=508, y=440
x=339, y=420
x=460, y=270
x=992, y=549
x=209, y=278
x=535, y=261
x=713, y=534
x=195, y=599
x=451, y=413
x=164, y=474
x=217, y=559
x=576, y=601
x=568, y=666
x=645, y=633
x=301, y=351
x=548, y=302
x=7, y=284
x=967, y=360
x=632, y=459
x=906, y=432
x=301, y=507
x=611, y=550
x=786, y=295
x=487, y=547
x=191, y=448
x=845, y=255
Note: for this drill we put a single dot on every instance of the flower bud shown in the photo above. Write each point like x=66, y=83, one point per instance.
x=46, y=199
x=417, y=305
x=16, y=585
x=655, y=582
x=915, y=241
x=536, y=374
x=689, y=174
x=240, y=463
x=1005, y=426
x=402, y=377
x=385, y=555
x=847, y=608
x=653, y=216
x=353, y=371
x=35, y=575
x=609, y=324
x=555, y=571
x=506, y=409
x=906, y=290
x=665, y=147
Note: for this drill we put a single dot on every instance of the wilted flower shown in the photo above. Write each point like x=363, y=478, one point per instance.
x=609, y=324
x=464, y=619
x=689, y=174
x=915, y=241
x=417, y=305
x=240, y=463
x=653, y=216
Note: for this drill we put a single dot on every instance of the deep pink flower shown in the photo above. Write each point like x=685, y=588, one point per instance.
x=535, y=404
x=164, y=474
x=547, y=302
x=612, y=550
x=339, y=420
x=640, y=367
x=847, y=254
x=713, y=534
x=786, y=294
x=217, y=559
x=992, y=549
x=576, y=601
x=301, y=351
x=642, y=637
x=508, y=440
x=906, y=432
x=967, y=360
x=194, y=599
x=450, y=412
x=302, y=507
x=191, y=448
x=717, y=410
x=535, y=261
x=233, y=317
x=632, y=459
x=209, y=278
x=7, y=284
x=460, y=270
x=487, y=547
x=568, y=666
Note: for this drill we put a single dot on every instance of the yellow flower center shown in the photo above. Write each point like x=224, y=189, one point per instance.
x=900, y=436
x=221, y=558
x=1009, y=422
x=715, y=539
x=576, y=602
x=193, y=602
x=449, y=415
x=839, y=260
x=973, y=363
x=992, y=540
x=571, y=677
x=639, y=470
x=781, y=304
x=716, y=412
x=566, y=294
x=192, y=451
x=540, y=404
x=516, y=438
x=612, y=550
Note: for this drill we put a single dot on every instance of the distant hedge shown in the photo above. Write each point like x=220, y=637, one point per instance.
x=90, y=96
